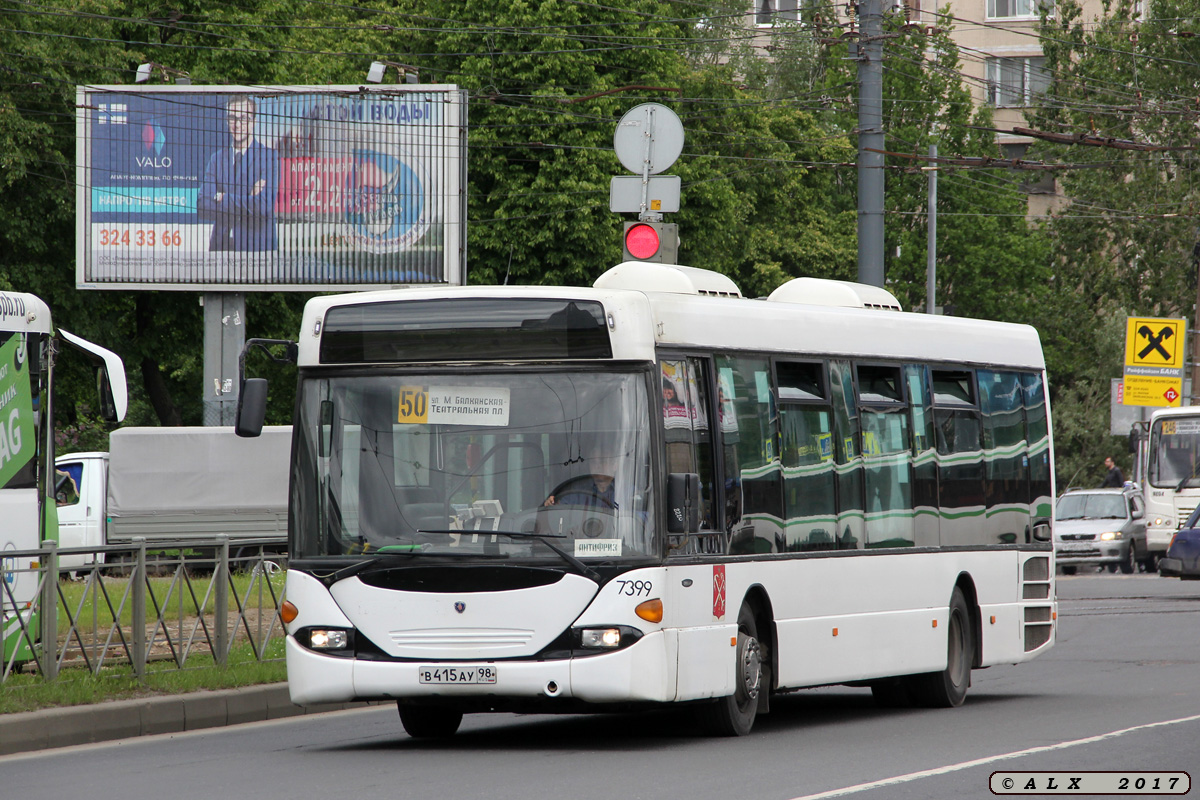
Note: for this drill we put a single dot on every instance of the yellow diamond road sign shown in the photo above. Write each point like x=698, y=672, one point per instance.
x=1154, y=358
x=1155, y=343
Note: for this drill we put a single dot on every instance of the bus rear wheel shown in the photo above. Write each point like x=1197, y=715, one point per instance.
x=429, y=722
x=734, y=715
x=948, y=688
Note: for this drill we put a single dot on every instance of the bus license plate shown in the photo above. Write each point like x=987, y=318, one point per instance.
x=447, y=675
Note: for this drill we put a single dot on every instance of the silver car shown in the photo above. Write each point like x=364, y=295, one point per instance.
x=1104, y=527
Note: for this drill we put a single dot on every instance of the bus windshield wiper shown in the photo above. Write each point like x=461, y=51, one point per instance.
x=580, y=567
x=1195, y=471
x=391, y=554
x=369, y=561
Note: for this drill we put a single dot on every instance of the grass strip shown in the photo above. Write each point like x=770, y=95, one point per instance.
x=75, y=687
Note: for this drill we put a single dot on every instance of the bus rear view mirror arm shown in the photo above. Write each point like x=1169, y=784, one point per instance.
x=252, y=392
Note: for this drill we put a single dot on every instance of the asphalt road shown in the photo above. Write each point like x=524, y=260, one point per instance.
x=1120, y=691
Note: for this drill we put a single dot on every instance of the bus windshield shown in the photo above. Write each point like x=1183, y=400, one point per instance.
x=1175, y=453
x=523, y=466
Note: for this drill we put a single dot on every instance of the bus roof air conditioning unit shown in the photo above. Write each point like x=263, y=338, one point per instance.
x=643, y=276
x=824, y=292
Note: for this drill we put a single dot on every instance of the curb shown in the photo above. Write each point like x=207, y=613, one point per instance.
x=123, y=719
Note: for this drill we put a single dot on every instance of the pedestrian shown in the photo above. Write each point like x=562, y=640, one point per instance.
x=1115, y=479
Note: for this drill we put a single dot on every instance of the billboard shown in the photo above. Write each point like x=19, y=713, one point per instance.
x=220, y=188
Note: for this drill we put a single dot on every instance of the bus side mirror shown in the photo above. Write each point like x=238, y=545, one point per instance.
x=1041, y=532
x=683, y=502
x=252, y=407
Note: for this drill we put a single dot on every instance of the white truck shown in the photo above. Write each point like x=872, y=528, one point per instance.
x=174, y=485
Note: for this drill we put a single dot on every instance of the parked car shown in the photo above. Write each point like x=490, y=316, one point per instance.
x=1100, y=527
x=1183, y=554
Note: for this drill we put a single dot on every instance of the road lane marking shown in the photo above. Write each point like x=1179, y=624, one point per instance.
x=930, y=773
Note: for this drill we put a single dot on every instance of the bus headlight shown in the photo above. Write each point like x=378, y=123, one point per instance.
x=1163, y=522
x=335, y=641
x=600, y=637
x=328, y=639
x=611, y=637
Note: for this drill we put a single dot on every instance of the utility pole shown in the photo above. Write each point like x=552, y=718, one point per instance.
x=931, y=236
x=870, y=143
x=1193, y=396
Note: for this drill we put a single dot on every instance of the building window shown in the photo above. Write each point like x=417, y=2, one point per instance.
x=1016, y=82
x=767, y=12
x=1007, y=9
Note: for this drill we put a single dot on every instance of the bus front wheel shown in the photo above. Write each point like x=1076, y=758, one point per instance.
x=948, y=688
x=429, y=722
x=734, y=715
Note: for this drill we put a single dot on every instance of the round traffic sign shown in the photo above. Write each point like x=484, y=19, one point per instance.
x=652, y=133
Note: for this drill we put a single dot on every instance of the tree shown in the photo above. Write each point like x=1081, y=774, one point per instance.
x=768, y=181
x=991, y=262
x=1125, y=238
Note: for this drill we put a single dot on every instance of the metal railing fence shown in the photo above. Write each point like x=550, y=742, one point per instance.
x=118, y=608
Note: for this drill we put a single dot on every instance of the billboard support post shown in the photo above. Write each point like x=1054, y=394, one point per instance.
x=224, y=338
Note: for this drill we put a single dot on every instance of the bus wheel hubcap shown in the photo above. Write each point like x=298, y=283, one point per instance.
x=751, y=668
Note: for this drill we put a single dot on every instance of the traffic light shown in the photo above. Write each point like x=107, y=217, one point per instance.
x=651, y=241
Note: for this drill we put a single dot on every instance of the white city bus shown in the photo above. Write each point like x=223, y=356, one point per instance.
x=1170, y=473
x=28, y=351
x=654, y=491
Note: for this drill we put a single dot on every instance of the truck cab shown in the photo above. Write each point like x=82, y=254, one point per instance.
x=80, y=490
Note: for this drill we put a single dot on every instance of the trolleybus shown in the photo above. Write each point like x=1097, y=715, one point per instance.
x=28, y=351
x=654, y=491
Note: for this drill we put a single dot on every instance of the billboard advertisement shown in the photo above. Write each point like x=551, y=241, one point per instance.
x=219, y=188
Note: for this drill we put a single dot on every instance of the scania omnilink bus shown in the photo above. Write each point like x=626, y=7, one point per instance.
x=655, y=491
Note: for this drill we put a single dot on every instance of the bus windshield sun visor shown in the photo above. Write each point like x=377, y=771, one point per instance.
x=475, y=329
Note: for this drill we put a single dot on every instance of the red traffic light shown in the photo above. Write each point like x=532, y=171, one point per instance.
x=641, y=241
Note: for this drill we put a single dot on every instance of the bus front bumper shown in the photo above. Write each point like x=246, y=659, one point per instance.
x=641, y=672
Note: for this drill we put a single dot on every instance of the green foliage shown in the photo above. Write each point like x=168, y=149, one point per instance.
x=1124, y=242
x=767, y=168
x=990, y=262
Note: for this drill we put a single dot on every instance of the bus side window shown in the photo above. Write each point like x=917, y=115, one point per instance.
x=887, y=454
x=848, y=455
x=753, y=478
x=1005, y=465
x=688, y=442
x=806, y=422
x=960, y=462
x=1040, y=502
x=925, y=496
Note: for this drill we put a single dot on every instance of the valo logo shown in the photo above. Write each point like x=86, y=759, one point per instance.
x=153, y=139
